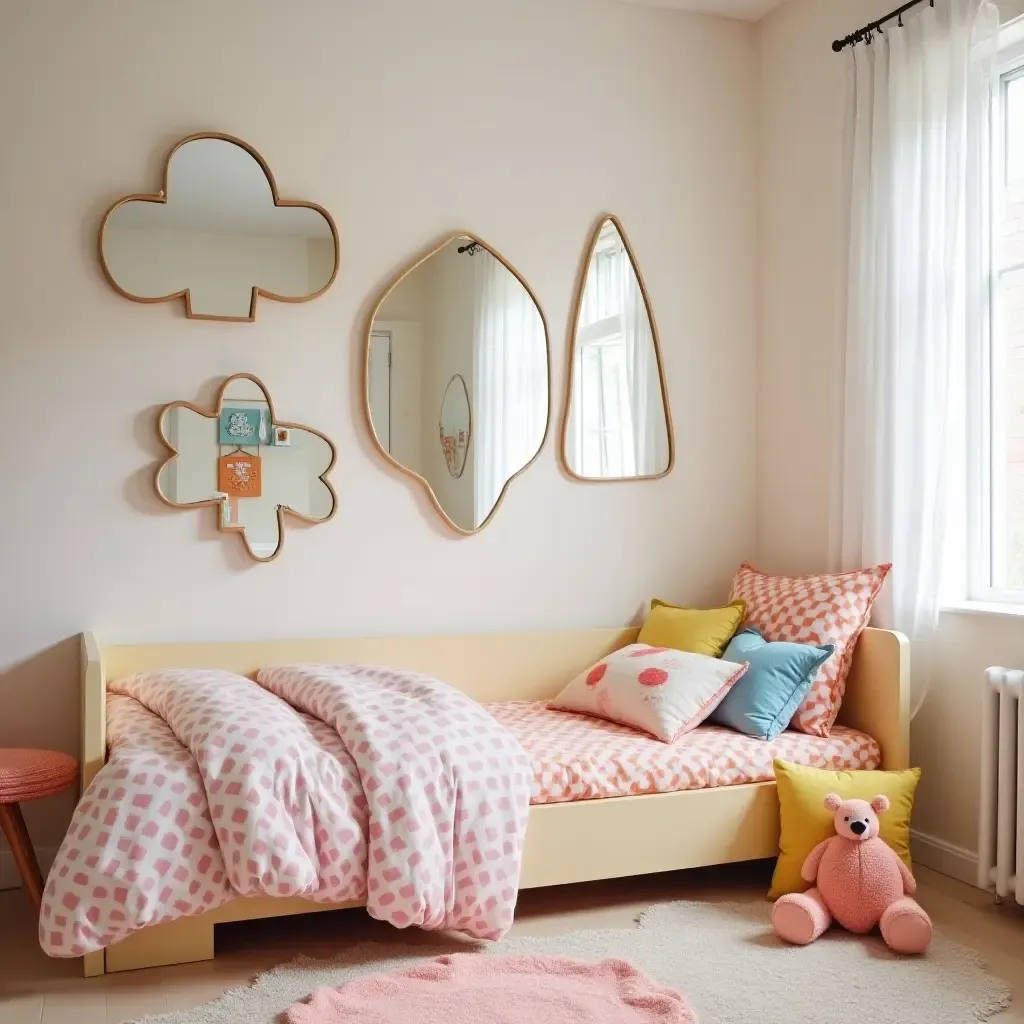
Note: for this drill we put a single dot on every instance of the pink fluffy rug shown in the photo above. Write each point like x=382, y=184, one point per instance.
x=470, y=988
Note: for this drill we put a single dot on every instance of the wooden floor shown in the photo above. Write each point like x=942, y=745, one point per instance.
x=37, y=990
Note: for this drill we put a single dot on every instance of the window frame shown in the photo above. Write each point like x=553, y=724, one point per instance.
x=984, y=407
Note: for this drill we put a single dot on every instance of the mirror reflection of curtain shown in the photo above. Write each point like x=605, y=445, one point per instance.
x=510, y=407
x=617, y=427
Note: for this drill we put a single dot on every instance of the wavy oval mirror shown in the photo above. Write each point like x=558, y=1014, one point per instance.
x=252, y=467
x=455, y=425
x=617, y=420
x=218, y=236
x=459, y=331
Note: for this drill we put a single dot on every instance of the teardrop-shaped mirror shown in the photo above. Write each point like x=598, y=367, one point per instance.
x=459, y=332
x=617, y=420
x=455, y=425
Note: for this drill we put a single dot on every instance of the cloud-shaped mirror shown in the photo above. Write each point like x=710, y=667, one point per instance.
x=218, y=235
x=252, y=467
x=617, y=421
x=459, y=331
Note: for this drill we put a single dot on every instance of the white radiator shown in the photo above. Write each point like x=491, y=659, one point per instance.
x=1001, y=826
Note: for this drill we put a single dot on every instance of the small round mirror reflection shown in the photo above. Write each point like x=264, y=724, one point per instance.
x=455, y=425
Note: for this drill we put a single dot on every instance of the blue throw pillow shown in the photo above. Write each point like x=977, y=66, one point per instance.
x=764, y=701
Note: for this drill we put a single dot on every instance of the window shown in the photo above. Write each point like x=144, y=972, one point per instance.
x=998, y=558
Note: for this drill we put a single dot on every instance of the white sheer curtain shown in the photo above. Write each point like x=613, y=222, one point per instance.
x=510, y=408
x=617, y=424
x=650, y=425
x=917, y=296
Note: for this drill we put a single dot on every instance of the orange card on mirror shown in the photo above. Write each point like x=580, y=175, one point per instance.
x=240, y=475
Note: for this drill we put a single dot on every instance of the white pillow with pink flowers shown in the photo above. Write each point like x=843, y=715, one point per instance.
x=658, y=690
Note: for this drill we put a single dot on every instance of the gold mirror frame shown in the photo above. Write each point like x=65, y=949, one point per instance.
x=161, y=197
x=392, y=285
x=574, y=323
x=282, y=510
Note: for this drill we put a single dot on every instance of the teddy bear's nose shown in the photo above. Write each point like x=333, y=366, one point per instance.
x=858, y=828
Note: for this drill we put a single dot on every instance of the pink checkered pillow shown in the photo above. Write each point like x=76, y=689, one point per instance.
x=828, y=609
x=660, y=691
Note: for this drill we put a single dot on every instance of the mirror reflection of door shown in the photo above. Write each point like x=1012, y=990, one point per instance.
x=395, y=392
x=380, y=386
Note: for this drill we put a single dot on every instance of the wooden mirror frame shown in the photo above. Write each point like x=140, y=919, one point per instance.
x=282, y=510
x=577, y=310
x=392, y=285
x=161, y=197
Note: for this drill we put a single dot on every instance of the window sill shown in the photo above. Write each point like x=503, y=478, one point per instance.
x=984, y=608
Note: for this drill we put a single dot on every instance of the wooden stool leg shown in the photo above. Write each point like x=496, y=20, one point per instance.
x=24, y=855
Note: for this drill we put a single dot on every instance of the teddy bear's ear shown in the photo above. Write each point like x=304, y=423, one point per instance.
x=833, y=802
x=879, y=804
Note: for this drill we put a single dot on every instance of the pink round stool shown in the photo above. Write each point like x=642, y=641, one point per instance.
x=30, y=775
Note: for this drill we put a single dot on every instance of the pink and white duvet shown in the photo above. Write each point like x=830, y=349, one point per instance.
x=334, y=783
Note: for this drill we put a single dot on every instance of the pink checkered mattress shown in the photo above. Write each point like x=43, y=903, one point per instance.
x=579, y=758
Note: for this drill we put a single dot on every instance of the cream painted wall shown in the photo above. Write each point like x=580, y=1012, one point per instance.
x=402, y=146
x=802, y=295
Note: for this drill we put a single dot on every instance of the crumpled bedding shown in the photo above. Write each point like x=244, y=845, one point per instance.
x=332, y=783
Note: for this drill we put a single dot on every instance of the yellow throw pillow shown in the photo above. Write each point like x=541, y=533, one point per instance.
x=805, y=821
x=698, y=630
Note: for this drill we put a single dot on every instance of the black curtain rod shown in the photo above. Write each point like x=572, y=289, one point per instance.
x=865, y=33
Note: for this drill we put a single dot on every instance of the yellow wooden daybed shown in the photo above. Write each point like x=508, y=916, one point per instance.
x=565, y=842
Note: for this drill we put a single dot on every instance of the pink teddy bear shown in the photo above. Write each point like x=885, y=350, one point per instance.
x=860, y=882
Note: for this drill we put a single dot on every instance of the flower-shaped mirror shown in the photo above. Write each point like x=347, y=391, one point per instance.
x=252, y=467
x=218, y=235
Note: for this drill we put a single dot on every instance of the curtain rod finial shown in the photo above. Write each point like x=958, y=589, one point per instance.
x=837, y=46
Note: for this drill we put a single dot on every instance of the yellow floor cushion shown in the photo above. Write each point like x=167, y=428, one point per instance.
x=805, y=821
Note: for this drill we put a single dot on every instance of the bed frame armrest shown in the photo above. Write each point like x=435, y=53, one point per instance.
x=94, y=711
x=877, y=699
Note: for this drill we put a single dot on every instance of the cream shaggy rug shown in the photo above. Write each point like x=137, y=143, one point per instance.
x=722, y=956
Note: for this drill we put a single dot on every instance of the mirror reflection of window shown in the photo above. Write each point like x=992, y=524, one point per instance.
x=460, y=313
x=617, y=425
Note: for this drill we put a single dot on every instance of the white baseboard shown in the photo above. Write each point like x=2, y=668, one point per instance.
x=9, y=877
x=944, y=857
